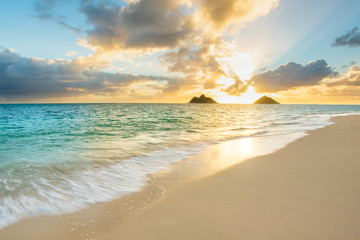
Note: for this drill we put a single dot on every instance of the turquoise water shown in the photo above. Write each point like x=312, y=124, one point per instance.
x=59, y=158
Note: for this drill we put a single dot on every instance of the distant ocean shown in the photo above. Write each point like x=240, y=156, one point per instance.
x=60, y=158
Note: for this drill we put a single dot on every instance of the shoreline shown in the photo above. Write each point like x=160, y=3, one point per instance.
x=155, y=215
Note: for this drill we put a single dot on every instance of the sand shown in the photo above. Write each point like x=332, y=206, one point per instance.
x=308, y=190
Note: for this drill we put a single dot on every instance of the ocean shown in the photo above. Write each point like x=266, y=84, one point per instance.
x=60, y=158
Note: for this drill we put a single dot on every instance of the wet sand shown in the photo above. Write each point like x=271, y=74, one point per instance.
x=308, y=190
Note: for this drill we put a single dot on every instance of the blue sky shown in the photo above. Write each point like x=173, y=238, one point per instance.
x=189, y=51
x=33, y=37
x=303, y=31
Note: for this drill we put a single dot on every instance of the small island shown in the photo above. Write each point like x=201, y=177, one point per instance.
x=266, y=100
x=202, y=99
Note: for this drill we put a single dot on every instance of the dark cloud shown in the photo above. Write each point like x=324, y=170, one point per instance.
x=143, y=24
x=147, y=24
x=285, y=77
x=350, y=39
x=292, y=75
x=36, y=78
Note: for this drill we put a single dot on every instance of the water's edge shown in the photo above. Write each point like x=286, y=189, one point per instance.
x=99, y=177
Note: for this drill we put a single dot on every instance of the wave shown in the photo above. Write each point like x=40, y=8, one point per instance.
x=60, y=193
x=44, y=188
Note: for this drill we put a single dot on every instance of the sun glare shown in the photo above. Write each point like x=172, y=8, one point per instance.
x=249, y=96
x=243, y=66
x=240, y=64
x=225, y=81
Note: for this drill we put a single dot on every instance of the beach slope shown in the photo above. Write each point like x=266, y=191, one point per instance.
x=308, y=190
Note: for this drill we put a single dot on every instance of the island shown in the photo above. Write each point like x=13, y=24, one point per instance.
x=202, y=99
x=266, y=100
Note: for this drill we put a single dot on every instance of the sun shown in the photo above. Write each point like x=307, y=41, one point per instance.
x=241, y=65
x=249, y=96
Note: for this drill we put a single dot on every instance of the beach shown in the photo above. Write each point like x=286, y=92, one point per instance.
x=306, y=190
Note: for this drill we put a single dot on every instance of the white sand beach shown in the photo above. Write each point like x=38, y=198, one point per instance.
x=307, y=190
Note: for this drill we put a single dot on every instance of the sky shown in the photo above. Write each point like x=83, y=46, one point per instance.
x=167, y=51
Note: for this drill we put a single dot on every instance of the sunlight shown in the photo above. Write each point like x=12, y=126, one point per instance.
x=249, y=96
x=225, y=81
x=243, y=66
x=231, y=153
x=240, y=64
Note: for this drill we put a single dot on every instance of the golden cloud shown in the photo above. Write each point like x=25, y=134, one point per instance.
x=222, y=14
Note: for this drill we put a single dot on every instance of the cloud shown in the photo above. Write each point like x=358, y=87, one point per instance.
x=153, y=24
x=222, y=14
x=353, y=78
x=237, y=88
x=144, y=24
x=285, y=77
x=199, y=59
x=350, y=39
x=190, y=33
x=346, y=66
x=24, y=78
x=71, y=53
x=45, y=10
x=197, y=62
x=292, y=75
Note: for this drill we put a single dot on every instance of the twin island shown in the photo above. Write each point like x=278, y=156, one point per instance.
x=204, y=99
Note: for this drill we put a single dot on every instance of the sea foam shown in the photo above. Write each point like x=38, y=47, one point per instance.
x=59, y=159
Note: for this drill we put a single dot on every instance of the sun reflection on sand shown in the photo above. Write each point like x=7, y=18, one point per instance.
x=226, y=154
